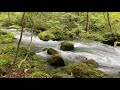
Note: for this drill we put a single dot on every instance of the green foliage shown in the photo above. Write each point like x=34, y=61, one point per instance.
x=66, y=46
x=11, y=49
x=6, y=37
x=59, y=35
x=14, y=27
x=38, y=75
x=61, y=75
x=5, y=63
x=91, y=36
x=46, y=35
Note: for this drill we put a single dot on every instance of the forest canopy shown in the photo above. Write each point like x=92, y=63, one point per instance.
x=73, y=25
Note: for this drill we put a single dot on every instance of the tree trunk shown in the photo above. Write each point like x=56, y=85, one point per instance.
x=87, y=20
x=108, y=18
x=29, y=48
x=8, y=18
x=22, y=25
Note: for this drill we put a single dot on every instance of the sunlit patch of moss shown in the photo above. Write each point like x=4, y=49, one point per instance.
x=39, y=74
x=6, y=37
x=82, y=70
x=14, y=27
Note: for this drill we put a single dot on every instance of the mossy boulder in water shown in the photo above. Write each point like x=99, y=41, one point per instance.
x=51, y=51
x=66, y=46
x=56, y=61
x=46, y=36
x=82, y=70
x=91, y=62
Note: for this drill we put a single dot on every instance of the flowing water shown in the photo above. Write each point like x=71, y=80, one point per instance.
x=107, y=56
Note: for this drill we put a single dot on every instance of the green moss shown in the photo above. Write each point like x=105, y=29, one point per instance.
x=11, y=49
x=38, y=75
x=7, y=40
x=14, y=27
x=6, y=37
x=56, y=61
x=92, y=63
x=61, y=75
x=82, y=70
x=66, y=46
x=51, y=51
x=46, y=35
x=92, y=36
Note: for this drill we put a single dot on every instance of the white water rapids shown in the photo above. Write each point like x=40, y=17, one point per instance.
x=107, y=56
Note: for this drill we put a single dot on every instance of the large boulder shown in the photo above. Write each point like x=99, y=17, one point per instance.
x=56, y=61
x=66, y=46
x=51, y=51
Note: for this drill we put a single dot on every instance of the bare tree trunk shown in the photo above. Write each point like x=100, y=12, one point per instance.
x=29, y=48
x=104, y=16
x=87, y=20
x=22, y=25
x=108, y=17
x=8, y=18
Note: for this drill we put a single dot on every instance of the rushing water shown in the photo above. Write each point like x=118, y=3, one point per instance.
x=107, y=56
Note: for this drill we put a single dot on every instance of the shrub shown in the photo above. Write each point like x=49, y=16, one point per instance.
x=7, y=40
x=14, y=27
x=59, y=35
x=92, y=36
x=6, y=37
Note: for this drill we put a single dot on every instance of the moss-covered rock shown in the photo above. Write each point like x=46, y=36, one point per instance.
x=6, y=37
x=66, y=46
x=82, y=70
x=91, y=63
x=56, y=61
x=44, y=49
x=46, y=35
x=38, y=75
x=51, y=51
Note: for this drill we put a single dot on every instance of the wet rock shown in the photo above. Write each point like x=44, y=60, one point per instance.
x=66, y=46
x=51, y=51
x=56, y=61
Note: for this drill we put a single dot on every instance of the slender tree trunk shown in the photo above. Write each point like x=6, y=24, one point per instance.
x=29, y=48
x=8, y=18
x=104, y=16
x=108, y=18
x=87, y=20
x=22, y=25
